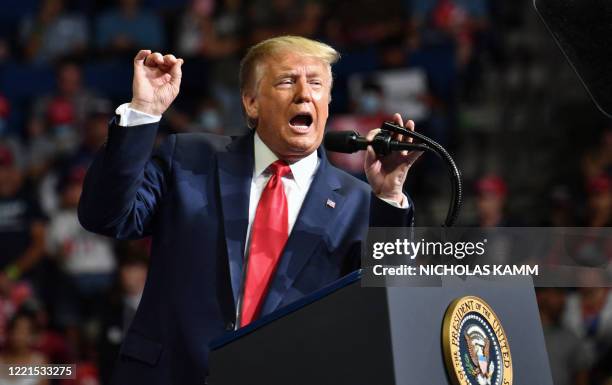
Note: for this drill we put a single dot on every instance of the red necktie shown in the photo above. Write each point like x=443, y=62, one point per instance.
x=269, y=234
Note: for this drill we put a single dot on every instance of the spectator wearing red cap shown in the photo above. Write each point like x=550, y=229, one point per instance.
x=4, y=113
x=66, y=110
x=491, y=192
x=8, y=138
x=50, y=167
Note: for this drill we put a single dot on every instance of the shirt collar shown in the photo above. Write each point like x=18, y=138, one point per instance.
x=302, y=170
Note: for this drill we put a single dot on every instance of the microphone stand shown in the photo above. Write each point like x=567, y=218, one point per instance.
x=383, y=145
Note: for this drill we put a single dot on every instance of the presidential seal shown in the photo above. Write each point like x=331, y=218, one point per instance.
x=476, y=350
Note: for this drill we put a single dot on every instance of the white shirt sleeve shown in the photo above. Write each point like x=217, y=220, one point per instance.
x=130, y=117
x=393, y=203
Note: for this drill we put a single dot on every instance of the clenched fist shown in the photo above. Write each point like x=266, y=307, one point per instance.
x=156, y=83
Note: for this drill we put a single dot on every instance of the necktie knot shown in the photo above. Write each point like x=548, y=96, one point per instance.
x=279, y=168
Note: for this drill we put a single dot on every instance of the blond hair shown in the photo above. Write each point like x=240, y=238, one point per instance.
x=251, y=69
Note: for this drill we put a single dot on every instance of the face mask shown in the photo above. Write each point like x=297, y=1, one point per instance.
x=209, y=120
x=369, y=103
x=62, y=131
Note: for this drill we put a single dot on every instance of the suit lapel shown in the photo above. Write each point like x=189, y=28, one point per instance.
x=235, y=173
x=308, y=232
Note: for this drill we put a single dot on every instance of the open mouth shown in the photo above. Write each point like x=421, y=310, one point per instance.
x=301, y=121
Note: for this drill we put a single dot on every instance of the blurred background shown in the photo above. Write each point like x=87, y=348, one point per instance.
x=482, y=77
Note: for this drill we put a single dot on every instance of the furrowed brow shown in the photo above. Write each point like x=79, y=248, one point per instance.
x=287, y=74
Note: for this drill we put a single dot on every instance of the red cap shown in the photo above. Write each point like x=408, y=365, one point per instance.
x=491, y=184
x=87, y=373
x=6, y=157
x=4, y=107
x=598, y=184
x=60, y=112
x=76, y=175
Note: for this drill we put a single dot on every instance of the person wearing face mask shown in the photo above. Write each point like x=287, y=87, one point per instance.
x=371, y=100
x=208, y=118
x=368, y=110
x=241, y=226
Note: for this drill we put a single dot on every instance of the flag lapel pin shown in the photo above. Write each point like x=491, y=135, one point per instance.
x=330, y=203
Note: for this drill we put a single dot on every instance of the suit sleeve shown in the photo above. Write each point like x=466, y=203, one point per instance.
x=382, y=214
x=125, y=184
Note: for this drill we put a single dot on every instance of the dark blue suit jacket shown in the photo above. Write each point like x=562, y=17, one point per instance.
x=192, y=196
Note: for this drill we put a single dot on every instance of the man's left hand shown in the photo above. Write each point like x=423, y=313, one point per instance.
x=387, y=174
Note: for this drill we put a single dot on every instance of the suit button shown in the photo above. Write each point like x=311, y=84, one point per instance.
x=230, y=326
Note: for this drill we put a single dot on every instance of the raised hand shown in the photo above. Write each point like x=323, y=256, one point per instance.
x=387, y=175
x=156, y=83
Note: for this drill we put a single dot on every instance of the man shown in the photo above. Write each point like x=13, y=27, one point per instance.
x=22, y=223
x=243, y=226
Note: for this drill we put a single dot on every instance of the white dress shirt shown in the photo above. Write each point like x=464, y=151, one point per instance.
x=296, y=183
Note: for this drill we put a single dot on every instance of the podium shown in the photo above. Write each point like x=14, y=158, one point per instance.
x=348, y=334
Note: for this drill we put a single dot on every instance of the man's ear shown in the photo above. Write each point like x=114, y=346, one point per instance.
x=251, y=106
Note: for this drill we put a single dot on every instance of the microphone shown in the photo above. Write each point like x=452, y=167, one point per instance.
x=348, y=142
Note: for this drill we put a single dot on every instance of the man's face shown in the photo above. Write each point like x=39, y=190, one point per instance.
x=291, y=104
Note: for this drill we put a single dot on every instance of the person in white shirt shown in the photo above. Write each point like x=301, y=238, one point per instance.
x=86, y=259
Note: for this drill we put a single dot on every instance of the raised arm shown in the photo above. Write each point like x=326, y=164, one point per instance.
x=125, y=184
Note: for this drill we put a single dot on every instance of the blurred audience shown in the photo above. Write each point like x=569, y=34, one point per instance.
x=53, y=32
x=491, y=194
x=64, y=111
x=40, y=148
x=22, y=224
x=471, y=72
x=128, y=28
x=455, y=21
x=570, y=356
x=599, y=201
x=589, y=315
x=22, y=334
x=292, y=17
x=4, y=114
x=120, y=309
x=368, y=110
x=598, y=159
x=86, y=259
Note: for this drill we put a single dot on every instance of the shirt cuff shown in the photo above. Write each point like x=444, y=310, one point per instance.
x=405, y=203
x=129, y=117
